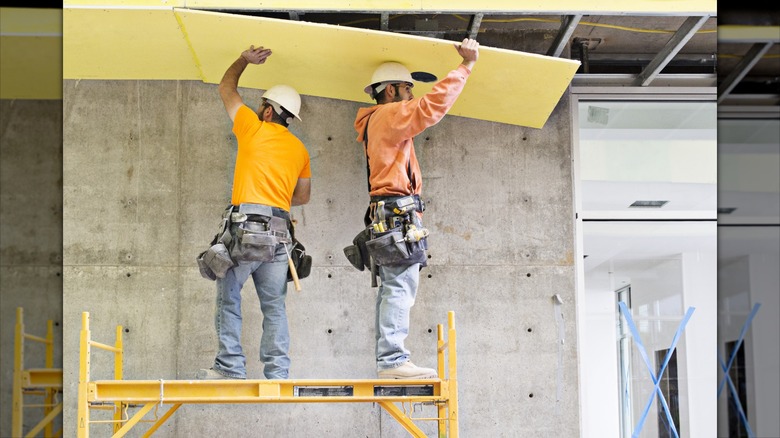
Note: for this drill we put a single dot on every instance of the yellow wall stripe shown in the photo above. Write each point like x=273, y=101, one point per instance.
x=125, y=44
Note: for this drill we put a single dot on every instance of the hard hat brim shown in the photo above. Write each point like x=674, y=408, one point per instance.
x=418, y=76
x=423, y=76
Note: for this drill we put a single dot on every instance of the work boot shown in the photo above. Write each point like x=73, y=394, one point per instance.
x=211, y=374
x=407, y=371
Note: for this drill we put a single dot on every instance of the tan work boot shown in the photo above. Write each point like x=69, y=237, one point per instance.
x=211, y=374
x=408, y=371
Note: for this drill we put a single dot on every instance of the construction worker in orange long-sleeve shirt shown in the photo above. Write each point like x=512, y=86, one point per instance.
x=395, y=184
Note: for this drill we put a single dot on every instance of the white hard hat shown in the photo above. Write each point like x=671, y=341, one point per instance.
x=393, y=72
x=387, y=73
x=286, y=97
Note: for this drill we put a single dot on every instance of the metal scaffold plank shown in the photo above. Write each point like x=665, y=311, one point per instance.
x=260, y=391
x=122, y=395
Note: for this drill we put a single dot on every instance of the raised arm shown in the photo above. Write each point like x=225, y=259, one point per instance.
x=469, y=51
x=416, y=115
x=228, y=86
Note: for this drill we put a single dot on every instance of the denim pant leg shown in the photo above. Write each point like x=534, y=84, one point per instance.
x=271, y=284
x=395, y=299
x=230, y=359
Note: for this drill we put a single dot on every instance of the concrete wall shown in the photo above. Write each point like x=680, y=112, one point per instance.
x=30, y=239
x=147, y=170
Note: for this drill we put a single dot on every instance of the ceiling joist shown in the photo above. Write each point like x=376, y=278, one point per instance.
x=682, y=36
x=568, y=24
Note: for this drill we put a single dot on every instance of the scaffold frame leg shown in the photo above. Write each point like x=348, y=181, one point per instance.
x=134, y=420
x=46, y=382
x=402, y=418
x=45, y=421
x=161, y=420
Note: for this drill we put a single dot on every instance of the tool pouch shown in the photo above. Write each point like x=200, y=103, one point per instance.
x=357, y=253
x=205, y=271
x=215, y=262
x=255, y=241
x=390, y=248
x=301, y=261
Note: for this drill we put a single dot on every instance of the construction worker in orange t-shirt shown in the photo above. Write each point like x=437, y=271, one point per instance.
x=272, y=173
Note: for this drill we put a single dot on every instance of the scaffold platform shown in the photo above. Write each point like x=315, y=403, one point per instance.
x=143, y=397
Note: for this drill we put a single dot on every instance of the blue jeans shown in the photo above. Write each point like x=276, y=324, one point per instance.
x=394, y=301
x=270, y=280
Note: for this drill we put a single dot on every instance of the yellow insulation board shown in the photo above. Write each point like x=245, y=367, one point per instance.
x=30, y=53
x=317, y=59
x=337, y=62
x=30, y=68
x=748, y=34
x=125, y=44
x=30, y=21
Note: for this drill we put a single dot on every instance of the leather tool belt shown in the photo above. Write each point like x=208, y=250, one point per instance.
x=394, y=235
x=249, y=232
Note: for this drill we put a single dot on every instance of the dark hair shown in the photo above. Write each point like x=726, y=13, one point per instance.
x=276, y=118
x=380, y=97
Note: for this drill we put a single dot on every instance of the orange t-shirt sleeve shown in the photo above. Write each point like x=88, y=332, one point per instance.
x=306, y=171
x=244, y=120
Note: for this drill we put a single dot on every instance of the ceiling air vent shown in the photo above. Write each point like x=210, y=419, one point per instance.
x=649, y=204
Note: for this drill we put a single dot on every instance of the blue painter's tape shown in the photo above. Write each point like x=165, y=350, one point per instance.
x=655, y=379
x=727, y=367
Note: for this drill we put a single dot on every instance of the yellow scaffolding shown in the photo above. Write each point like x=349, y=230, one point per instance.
x=151, y=395
x=46, y=382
